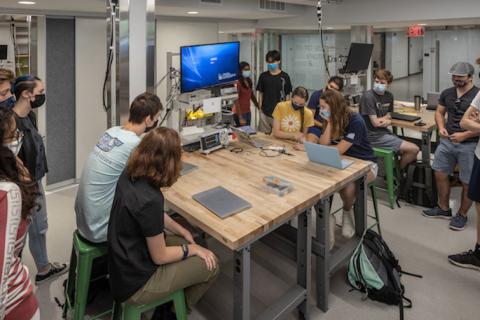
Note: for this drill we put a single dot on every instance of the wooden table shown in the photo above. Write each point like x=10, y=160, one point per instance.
x=242, y=174
x=428, y=117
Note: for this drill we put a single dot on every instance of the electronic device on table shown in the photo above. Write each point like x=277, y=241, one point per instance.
x=214, y=140
x=325, y=155
x=246, y=138
x=221, y=202
x=432, y=100
x=208, y=65
x=404, y=117
x=187, y=167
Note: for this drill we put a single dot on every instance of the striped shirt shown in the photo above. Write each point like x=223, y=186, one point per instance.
x=17, y=300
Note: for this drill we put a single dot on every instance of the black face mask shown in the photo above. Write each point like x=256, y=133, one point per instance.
x=155, y=124
x=296, y=106
x=38, y=102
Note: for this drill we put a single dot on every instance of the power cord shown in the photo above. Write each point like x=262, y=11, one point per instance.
x=319, y=17
x=110, y=57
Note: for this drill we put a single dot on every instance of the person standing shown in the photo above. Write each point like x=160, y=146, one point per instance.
x=457, y=146
x=241, y=110
x=274, y=86
x=30, y=94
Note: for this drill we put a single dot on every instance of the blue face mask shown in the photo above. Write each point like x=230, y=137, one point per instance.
x=325, y=114
x=8, y=103
x=246, y=73
x=379, y=88
x=272, y=66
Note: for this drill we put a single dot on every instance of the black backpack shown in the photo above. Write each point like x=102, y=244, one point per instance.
x=419, y=186
x=374, y=270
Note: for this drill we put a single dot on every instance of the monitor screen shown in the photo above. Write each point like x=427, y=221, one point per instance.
x=358, y=57
x=208, y=65
x=3, y=52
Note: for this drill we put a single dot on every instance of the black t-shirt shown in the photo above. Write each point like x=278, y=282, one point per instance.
x=274, y=89
x=356, y=134
x=32, y=152
x=137, y=213
x=373, y=104
x=456, y=108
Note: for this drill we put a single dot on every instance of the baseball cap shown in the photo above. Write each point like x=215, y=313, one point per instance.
x=462, y=69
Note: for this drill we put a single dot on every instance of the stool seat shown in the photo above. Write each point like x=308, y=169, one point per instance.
x=392, y=172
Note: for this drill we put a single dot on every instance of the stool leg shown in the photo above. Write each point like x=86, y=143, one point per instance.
x=70, y=283
x=180, y=306
x=131, y=313
x=390, y=180
x=82, y=284
x=375, y=207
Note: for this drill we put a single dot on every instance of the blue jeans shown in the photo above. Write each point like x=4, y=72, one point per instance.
x=37, y=231
x=246, y=116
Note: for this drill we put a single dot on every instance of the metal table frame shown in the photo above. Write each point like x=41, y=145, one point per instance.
x=296, y=297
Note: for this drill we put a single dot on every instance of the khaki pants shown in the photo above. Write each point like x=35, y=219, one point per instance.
x=265, y=123
x=190, y=274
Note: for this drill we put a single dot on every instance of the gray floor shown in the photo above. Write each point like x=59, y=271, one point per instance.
x=406, y=88
x=422, y=245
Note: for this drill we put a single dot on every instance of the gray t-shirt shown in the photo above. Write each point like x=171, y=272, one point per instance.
x=379, y=105
x=476, y=105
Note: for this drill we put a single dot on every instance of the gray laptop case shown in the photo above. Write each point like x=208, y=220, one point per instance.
x=221, y=202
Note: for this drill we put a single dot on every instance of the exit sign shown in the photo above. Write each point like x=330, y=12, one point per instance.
x=416, y=31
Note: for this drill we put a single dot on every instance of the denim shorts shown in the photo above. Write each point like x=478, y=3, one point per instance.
x=449, y=154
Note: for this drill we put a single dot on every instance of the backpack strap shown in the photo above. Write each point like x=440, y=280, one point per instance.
x=411, y=274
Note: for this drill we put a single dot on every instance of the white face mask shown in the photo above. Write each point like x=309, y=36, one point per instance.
x=16, y=144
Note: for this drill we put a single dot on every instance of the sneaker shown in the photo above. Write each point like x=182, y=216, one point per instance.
x=333, y=224
x=56, y=270
x=348, y=224
x=468, y=259
x=438, y=213
x=458, y=222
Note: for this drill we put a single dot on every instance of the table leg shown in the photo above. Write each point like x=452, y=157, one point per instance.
x=241, y=282
x=360, y=207
x=304, y=255
x=426, y=147
x=322, y=237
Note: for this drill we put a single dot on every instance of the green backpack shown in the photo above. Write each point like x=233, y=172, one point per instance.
x=374, y=270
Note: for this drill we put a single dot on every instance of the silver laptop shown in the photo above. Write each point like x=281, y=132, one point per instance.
x=326, y=155
x=246, y=138
x=221, y=202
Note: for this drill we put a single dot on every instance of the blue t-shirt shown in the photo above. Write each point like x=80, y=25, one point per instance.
x=356, y=134
x=313, y=104
x=99, y=180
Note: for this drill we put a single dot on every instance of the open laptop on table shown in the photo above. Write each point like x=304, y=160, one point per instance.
x=246, y=138
x=326, y=155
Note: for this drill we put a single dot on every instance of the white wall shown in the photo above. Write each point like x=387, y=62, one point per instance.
x=455, y=46
x=91, y=61
x=6, y=38
x=415, y=53
x=396, y=54
x=173, y=34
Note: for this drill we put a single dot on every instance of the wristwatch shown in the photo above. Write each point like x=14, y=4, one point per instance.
x=185, y=251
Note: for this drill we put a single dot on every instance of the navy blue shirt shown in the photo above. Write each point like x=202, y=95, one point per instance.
x=313, y=104
x=356, y=134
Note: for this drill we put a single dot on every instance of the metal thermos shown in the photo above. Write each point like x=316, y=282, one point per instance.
x=418, y=102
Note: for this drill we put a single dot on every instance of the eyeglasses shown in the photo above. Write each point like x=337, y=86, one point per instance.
x=458, y=102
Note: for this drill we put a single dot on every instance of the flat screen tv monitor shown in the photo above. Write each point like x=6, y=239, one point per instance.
x=358, y=57
x=208, y=65
x=3, y=52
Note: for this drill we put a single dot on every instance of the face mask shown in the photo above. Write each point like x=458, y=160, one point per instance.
x=246, y=73
x=296, y=106
x=459, y=83
x=8, y=103
x=148, y=129
x=379, y=88
x=325, y=114
x=272, y=66
x=16, y=144
x=38, y=102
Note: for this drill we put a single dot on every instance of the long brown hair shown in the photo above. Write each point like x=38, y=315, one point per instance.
x=12, y=170
x=340, y=112
x=157, y=158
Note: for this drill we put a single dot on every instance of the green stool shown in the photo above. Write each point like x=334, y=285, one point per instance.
x=376, y=217
x=134, y=312
x=392, y=172
x=81, y=260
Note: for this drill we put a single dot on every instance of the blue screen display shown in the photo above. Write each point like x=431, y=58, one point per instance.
x=209, y=65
